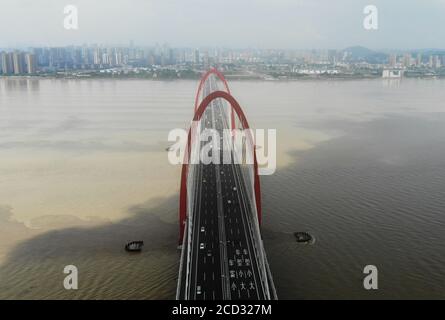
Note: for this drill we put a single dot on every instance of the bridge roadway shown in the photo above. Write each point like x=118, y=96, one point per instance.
x=226, y=261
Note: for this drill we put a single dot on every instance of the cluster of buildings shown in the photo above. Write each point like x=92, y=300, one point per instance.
x=97, y=59
x=415, y=65
x=408, y=60
x=17, y=63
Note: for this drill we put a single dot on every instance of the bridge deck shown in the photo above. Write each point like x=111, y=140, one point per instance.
x=226, y=253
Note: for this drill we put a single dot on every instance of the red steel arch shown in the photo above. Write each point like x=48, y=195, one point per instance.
x=184, y=173
x=204, y=78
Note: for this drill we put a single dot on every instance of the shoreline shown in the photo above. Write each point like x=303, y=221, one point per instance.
x=234, y=78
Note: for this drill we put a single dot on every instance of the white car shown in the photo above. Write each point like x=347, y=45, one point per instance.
x=203, y=229
x=232, y=273
x=198, y=290
x=202, y=246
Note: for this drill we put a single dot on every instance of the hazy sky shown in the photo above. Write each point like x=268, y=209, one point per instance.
x=299, y=24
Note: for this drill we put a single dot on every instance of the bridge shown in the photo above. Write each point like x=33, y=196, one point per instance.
x=222, y=253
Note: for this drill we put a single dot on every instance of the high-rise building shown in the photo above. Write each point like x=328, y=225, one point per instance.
x=118, y=57
x=419, y=59
x=2, y=56
x=332, y=56
x=18, y=62
x=6, y=63
x=205, y=58
x=436, y=62
x=85, y=56
x=30, y=63
x=97, y=59
x=392, y=60
x=151, y=59
x=196, y=56
x=105, y=58
x=407, y=60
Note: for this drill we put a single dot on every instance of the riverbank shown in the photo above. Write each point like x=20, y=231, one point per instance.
x=229, y=77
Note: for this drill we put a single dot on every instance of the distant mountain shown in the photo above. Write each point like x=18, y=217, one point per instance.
x=359, y=53
x=430, y=52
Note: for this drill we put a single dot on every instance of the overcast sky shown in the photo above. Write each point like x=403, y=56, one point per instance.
x=298, y=24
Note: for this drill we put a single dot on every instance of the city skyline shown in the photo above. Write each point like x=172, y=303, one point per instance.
x=169, y=62
x=285, y=24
